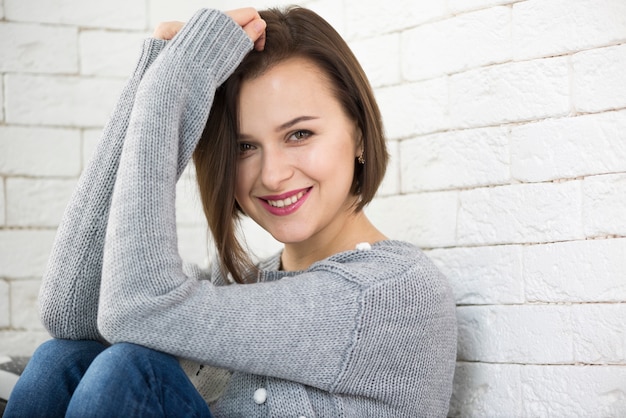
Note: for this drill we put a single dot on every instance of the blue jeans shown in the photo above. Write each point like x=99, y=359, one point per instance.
x=87, y=379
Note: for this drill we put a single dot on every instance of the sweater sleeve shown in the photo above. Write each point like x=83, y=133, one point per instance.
x=68, y=298
x=298, y=328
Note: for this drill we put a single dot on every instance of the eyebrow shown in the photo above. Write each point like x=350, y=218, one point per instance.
x=284, y=126
x=294, y=121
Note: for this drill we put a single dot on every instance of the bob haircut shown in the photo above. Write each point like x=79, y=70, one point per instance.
x=292, y=32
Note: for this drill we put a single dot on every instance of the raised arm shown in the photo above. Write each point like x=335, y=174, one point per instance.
x=70, y=288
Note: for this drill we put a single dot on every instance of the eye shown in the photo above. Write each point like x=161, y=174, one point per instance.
x=244, y=148
x=300, y=135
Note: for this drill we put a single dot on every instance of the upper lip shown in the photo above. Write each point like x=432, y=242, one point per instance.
x=284, y=195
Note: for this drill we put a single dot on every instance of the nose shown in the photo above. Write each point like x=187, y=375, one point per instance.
x=276, y=168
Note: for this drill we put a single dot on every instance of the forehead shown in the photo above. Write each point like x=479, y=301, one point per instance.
x=294, y=82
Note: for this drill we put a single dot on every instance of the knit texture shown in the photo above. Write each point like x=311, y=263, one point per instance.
x=361, y=333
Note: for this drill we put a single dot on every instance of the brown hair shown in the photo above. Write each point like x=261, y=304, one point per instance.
x=293, y=32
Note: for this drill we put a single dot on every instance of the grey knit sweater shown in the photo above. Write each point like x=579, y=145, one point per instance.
x=363, y=333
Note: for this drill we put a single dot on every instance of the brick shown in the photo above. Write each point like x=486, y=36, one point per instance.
x=502, y=93
x=25, y=314
x=604, y=204
x=457, y=6
x=2, y=99
x=525, y=213
x=379, y=58
x=32, y=151
x=546, y=28
x=414, y=109
x=107, y=53
x=259, y=242
x=37, y=202
x=37, y=48
x=426, y=219
x=577, y=271
x=24, y=253
x=5, y=303
x=482, y=275
x=568, y=391
x=372, y=18
x=529, y=334
x=2, y=203
x=60, y=101
x=598, y=82
x=455, y=159
x=478, y=390
x=569, y=147
x=598, y=333
x=391, y=182
x=118, y=14
x=21, y=343
x=466, y=41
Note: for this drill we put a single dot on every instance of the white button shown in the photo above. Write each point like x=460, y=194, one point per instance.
x=363, y=246
x=260, y=396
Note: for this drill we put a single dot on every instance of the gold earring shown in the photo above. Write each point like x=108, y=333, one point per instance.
x=361, y=158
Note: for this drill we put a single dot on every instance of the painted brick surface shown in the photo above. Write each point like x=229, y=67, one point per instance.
x=528, y=334
x=576, y=271
x=535, y=33
x=503, y=93
x=60, y=101
x=115, y=14
x=456, y=159
x=425, y=219
x=525, y=213
x=374, y=17
x=37, y=202
x=569, y=147
x=505, y=121
x=604, y=203
x=5, y=303
x=462, y=42
x=108, y=53
x=483, y=275
x=378, y=58
x=598, y=82
x=416, y=108
x=32, y=151
x=2, y=204
x=33, y=48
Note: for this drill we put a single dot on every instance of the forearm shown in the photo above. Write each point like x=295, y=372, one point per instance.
x=71, y=284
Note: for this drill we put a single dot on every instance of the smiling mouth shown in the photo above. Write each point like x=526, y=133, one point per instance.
x=288, y=201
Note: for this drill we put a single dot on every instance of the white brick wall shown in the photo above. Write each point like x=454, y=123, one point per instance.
x=506, y=121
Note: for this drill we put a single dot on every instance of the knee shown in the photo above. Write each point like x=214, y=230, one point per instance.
x=127, y=356
x=57, y=351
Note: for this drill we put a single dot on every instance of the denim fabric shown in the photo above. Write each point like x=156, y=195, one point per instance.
x=87, y=379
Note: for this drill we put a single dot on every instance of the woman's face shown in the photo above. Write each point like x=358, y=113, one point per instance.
x=297, y=151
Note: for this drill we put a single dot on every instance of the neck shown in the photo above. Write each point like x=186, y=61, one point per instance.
x=356, y=229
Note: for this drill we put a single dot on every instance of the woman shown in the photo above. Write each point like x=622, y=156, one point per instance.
x=343, y=322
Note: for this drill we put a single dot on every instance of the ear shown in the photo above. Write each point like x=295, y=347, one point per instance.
x=358, y=143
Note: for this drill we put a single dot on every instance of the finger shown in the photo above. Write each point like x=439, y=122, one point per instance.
x=243, y=16
x=256, y=31
x=167, y=30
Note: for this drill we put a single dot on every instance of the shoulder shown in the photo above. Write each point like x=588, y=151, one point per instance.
x=384, y=261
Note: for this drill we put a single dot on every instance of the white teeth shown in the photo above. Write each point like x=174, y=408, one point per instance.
x=285, y=202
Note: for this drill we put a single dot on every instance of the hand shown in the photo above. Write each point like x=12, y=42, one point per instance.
x=248, y=18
